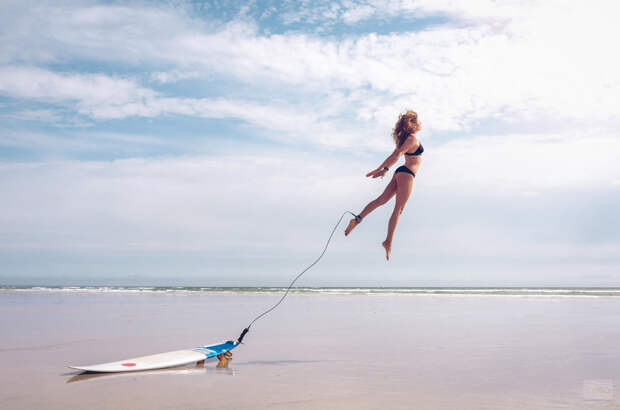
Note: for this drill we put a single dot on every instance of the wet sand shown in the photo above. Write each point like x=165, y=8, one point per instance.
x=314, y=352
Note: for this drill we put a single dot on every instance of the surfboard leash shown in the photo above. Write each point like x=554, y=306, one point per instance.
x=247, y=329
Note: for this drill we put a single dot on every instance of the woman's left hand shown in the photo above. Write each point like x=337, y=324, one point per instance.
x=379, y=172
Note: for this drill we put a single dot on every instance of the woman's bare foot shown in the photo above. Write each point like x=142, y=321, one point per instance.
x=388, y=249
x=352, y=224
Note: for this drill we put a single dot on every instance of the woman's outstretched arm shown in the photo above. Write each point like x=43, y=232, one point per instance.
x=409, y=143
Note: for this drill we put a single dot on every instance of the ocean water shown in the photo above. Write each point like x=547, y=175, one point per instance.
x=503, y=291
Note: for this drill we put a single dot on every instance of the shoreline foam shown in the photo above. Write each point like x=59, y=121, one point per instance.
x=448, y=291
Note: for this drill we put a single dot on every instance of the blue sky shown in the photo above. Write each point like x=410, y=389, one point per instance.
x=216, y=143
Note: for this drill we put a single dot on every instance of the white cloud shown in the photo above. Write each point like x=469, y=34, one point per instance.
x=329, y=12
x=53, y=117
x=192, y=199
x=525, y=164
x=357, y=13
x=279, y=206
x=220, y=202
x=89, y=142
x=95, y=94
x=516, y=62
x=165, y=77
x=102, y=97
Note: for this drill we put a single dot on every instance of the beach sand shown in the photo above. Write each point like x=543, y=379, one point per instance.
x=316, y=351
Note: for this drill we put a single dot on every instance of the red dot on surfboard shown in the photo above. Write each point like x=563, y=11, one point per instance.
x=129, y=364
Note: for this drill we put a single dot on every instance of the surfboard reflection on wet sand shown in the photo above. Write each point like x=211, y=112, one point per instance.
x=197, y=370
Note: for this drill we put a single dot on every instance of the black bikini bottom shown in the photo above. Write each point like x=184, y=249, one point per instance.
x=403, y=168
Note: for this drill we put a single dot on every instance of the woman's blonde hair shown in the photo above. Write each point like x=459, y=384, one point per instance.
x=406, y=124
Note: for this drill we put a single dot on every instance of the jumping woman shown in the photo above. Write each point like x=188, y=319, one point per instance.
x=401, y=184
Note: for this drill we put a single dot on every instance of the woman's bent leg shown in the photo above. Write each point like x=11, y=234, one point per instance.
x=388, y=193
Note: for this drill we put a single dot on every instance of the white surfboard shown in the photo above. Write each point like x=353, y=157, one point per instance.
x=161, y=360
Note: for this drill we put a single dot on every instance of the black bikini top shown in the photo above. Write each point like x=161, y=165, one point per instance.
x=419, y=151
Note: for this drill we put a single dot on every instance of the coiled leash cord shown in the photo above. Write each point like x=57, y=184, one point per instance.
x=247, y=329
